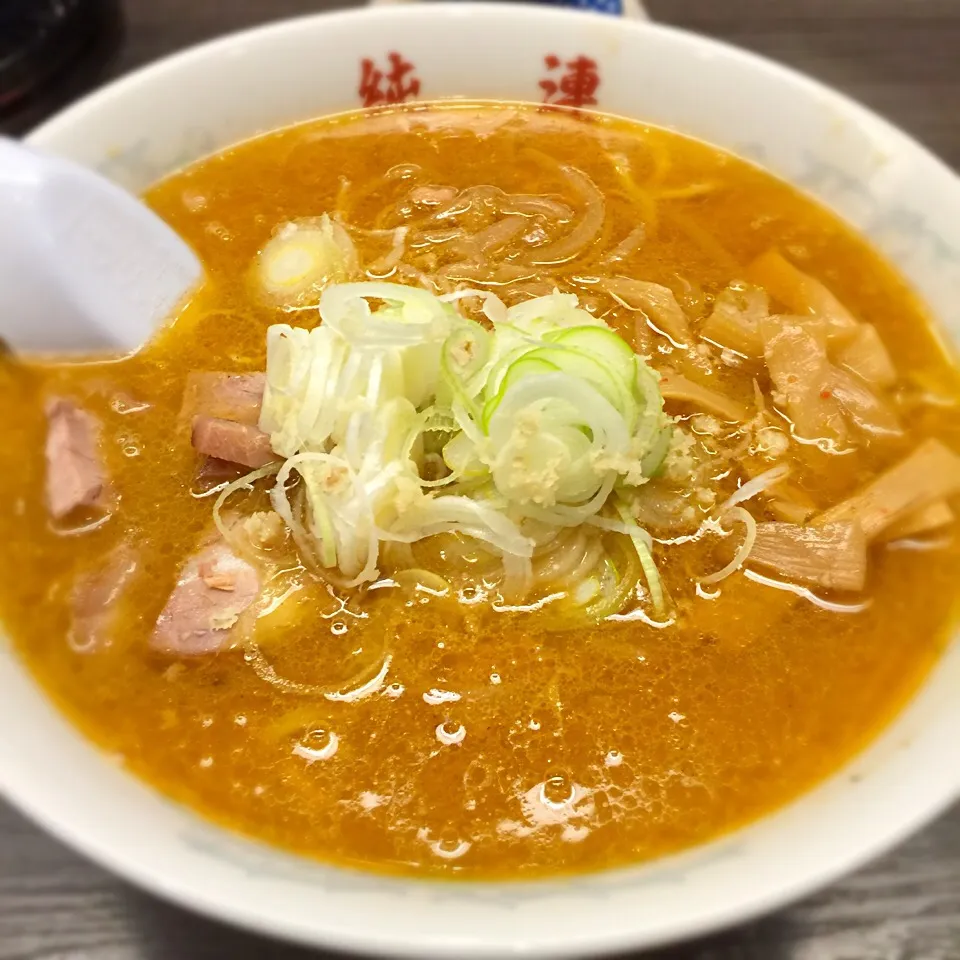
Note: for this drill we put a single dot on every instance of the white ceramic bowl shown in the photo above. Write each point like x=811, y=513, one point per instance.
x=904, y=199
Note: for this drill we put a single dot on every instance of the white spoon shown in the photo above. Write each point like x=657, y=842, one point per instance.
x=84, y=265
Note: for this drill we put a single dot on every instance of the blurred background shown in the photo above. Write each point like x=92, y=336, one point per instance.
x=900, y=57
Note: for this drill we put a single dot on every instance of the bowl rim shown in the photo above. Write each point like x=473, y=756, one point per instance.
x=366, y=941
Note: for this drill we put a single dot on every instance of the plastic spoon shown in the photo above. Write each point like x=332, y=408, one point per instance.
x=84, y=266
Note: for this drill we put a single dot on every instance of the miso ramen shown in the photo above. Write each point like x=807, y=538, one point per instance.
x=522, y=493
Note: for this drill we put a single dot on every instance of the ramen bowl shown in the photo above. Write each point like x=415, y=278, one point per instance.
x=903, y=199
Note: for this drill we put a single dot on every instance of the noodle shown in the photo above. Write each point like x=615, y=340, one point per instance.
x=637, y=194
x=690, y=192
x=712, y=248
x=586, y=231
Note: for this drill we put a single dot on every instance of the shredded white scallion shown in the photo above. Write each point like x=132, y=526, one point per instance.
x=540, y=417
x=245, y=482
x=743, y=551
x=769, y=478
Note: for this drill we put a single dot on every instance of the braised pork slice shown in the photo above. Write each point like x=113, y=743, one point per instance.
x=228, y=396
x=214, y=473
x=95, y=600
x=75, y=473
x=229, y=440
x=212, y=591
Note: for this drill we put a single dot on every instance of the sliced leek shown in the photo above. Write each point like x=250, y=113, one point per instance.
x=542, y=417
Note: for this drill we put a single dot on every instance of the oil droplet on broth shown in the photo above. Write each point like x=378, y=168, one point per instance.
x=448, y=846
x=557, y=804
x=557, y=792
x=449, y=733
x=471, y=595
x=317, y=745
x=477, y=775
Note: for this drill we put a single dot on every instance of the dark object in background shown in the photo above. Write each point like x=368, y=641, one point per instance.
x=50, y=50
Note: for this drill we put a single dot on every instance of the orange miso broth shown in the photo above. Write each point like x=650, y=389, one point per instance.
x=688, y=633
